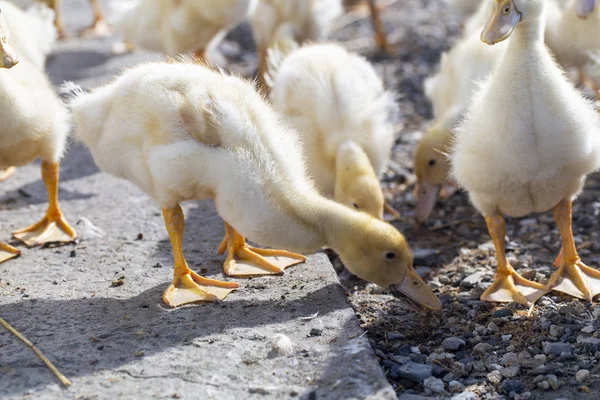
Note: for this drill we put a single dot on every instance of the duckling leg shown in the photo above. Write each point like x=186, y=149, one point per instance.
x=53, y=227
x=261, y=55
x=7, y=252
x=258, y=261
x=187, y=286
x=56, y=5
x=7, y=173
x=380, y=37
x=388, y=208
x=573, y=276
x=99, y=26
x=509, y=285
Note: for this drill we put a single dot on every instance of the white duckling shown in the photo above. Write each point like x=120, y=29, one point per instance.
x=574, y=36
x=345, y=118
x=33, y=34
x=526, y=145
x=290, y=21
x=183, y=131
x=35, y=124
x=182, y=26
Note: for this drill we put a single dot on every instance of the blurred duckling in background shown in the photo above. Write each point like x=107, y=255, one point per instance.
x=574, y=36
x=287, y=22
x=345, y=118
x=450, y=92
x=183, y=131
x=179, y=27
x=35, y=124
x=526, y=145
x=431, y=164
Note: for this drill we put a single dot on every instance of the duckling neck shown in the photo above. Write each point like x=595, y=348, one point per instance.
x=528, y=33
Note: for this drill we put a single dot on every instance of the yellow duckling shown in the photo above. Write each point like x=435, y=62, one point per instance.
x=182, y=131
x=35, y=124
x=432, y=166
x=345, y=118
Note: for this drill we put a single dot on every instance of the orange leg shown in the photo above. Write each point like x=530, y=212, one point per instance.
x=380, y=36
x=53, y=228
x=56, y=5
x=236, y=246
x=509, y=285
x=263, y=68
x=99, y=27
x=187, y=286
x=573, y=276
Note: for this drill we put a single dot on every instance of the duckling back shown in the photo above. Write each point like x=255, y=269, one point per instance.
x=182, y=131
x=331, y=96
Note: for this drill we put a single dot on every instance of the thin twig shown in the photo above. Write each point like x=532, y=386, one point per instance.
x=63, y=379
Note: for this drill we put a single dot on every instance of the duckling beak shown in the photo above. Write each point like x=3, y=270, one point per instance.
x=416, y=293
x=585, y=8
x=8, y=56
x=502, y=22
x=427, y=195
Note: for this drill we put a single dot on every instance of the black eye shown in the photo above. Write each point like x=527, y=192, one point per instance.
x=355, y=205
x=432, y=162
x=390, y=255
x=416, y=283
x=506, y=10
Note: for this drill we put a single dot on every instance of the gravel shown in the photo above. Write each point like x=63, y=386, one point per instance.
x=509, y=351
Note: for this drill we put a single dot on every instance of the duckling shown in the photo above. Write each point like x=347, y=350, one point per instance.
x=432, y=166
x=345, y=118
x=574, y=35
x=183, y=131
x=183, y=26
x=33, y=35
x=35, y=124
x=289, y=21
x=456, y=81
x=525, y=145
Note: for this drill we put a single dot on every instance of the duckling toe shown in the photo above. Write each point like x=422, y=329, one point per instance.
x=250, y=261
x=7, y=252
x=48, y=230
x=7, y=173
x=192, y=288
x=576, y=279
x=512, y=287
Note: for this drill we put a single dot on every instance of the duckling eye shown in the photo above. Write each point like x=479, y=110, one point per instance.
x=390, y=255
x=416, y=283
x=355, y=205
x=432, y=162
x=506, y=10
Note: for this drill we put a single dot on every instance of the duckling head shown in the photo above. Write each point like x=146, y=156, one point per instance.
x=356, y=183
x=585, y=7
x=375, y=251
x=8, y=56
x=432, y=168
x=506, y=14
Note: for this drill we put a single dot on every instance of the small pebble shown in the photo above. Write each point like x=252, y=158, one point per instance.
x=588, y=329
x=557, y=348
x=492, y=327
x=512, y=385
x=506, y=338
x=456, y=386
x=453, y=343
x=315, y=332
x=482, y=348
x=395, y=336
x=510, y=372
x=503, y=312
x=415, y=372
x=494, y=377
x=553, y=381
x=543, y=385
x=434, y=385
x=582, y=375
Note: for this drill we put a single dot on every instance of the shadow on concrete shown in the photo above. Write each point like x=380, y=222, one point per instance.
x=103, y=333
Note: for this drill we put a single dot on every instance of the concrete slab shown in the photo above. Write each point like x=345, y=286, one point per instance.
x=121, y=342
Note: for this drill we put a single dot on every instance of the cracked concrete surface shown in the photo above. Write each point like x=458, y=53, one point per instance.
x=122, y=342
